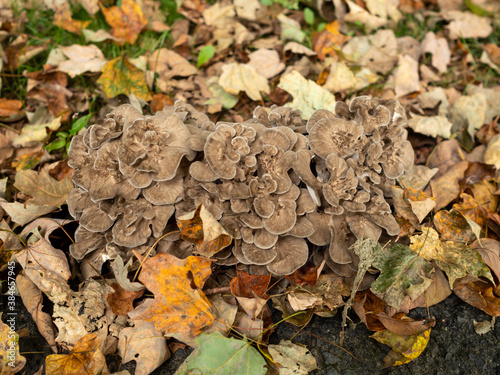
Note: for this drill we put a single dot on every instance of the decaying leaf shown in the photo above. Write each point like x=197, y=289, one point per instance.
x=224, y=315
x=121, y=300
x=218, y=354
x=119, y=76
x=85, y=358
x=249, y=286
x=266, y=62
x=11, y=361
x=200, y=228
x=402, y=273
x=478, y=293
x=404, y=348
x=434, y=126
x=292, y=358
x=44, y=190
x=406, y=76
x=143, y=344
x=327, y=41
x=179, y=309
x=10, y=244
x=467, y=25
x=418, y=177
x=35, y=133
x=22, y=214
x=237, y=77
x=307, y=95
x=127, y=21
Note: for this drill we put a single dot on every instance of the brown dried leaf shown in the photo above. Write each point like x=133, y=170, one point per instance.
x=9, y=107
x=329, y=40
x=249, y=286
x=478, y=293
x=121, y=300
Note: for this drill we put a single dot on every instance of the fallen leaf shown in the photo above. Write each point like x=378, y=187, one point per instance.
x=493, y=52
x=31, y=159
x=121, y=301
x=475, y=214
x=402, y=273
x=404, y=348
x=267, y=62
x=82, y=59
x=31, y=134
x=10, y=107
x=33, y=301
x=121, y=270
x=329, y=40
x=406, y=76
x=484, y=327
x=307, y=95
x=144, y=345
x=224, y=315
x=452, y=226
x=119, y=76
x=367, y=305
x=467, y=25
x=469, y=111
x=412, y=204
x=291, y=29
x=85, y=358
x=217, y=354
x=237, y=77
x=437, y=292
x=478, y=293
x=438, y=47
x=63, y=19
x=169, y=64
x=358, y=14
x=446, y=188
x=434, y=126
x=456, y=259
x=292, y=358
x=11, y=360
x=201, y=228
x=417, y=177
x=220, y=98
x=126, y=21
x=9, y=244
x=249, y=286
x=402, y=325
x=341, y=78
x=492, y=154
x=298, y=49
x=42, y=188
x=160, y=101
x=179, y=309
x=98, y=36
x=307, y=274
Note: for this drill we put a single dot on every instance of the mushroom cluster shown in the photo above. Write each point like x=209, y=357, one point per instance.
x=276, y=183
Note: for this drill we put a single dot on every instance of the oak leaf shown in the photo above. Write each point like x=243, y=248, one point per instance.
x=127, y=21
x=180, y=309
x=85, y=358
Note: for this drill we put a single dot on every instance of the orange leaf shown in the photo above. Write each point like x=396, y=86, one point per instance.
x=160, y=101
x=127, y=21
x=9, y=107
x=307, y=274
x=200, y=228
x=63, y=19
x=471, y=210
x=452, y=226
x=245, y=285
x=121, y=300
x=180, y=309
x=327, y=41
x=85, y=358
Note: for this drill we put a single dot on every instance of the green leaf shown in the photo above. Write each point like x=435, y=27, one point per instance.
x=309, y=16
x=219, y=355
x=205, y=54
x=62, y=134
x=477, y=10
x=56, y=145
x=402, y=273
x=79, y=124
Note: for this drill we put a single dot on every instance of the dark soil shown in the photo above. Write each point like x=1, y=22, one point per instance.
x=454, y=346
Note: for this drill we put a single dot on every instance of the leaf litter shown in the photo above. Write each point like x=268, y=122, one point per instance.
x=225, y=59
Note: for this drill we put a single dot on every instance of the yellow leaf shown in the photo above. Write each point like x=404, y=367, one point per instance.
x=63, y=19
x=85, y=358
x=119, y=76
x=11, y=361
x=127, y=21
x=180, y=309
x=404, y=348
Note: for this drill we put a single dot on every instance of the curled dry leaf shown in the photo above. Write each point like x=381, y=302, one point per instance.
x=82, y=59
x=180, y=308
x=85, y=358
x=434, y=126
x=478, y=293
x=121, y=301
x=201, y=228
x=249, y=286
x=31, y=134
x=292, y=358
x=452, y=226
x=143, y=344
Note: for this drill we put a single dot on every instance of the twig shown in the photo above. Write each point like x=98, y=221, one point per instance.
x=221, y=289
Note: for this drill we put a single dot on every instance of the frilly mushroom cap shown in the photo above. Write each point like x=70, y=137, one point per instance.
x=292, y=253
x=321, y=224
x=335, y=136
x=85, y=243
x=370, y=115
x=362, y=227
x=263, y=239
x=303, y=228
x=78, y=200
x=317, y=116
x=283, y=218
x=165, y=192
x=339, y=249
x=401, y=161
x=256, y=255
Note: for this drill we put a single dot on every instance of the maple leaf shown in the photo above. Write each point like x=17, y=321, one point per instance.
x=119, y=76
x=329, y=41
x=127, y=21
x=44, y=190
x=85, y=358
x=180, y=309
x=201, y=228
